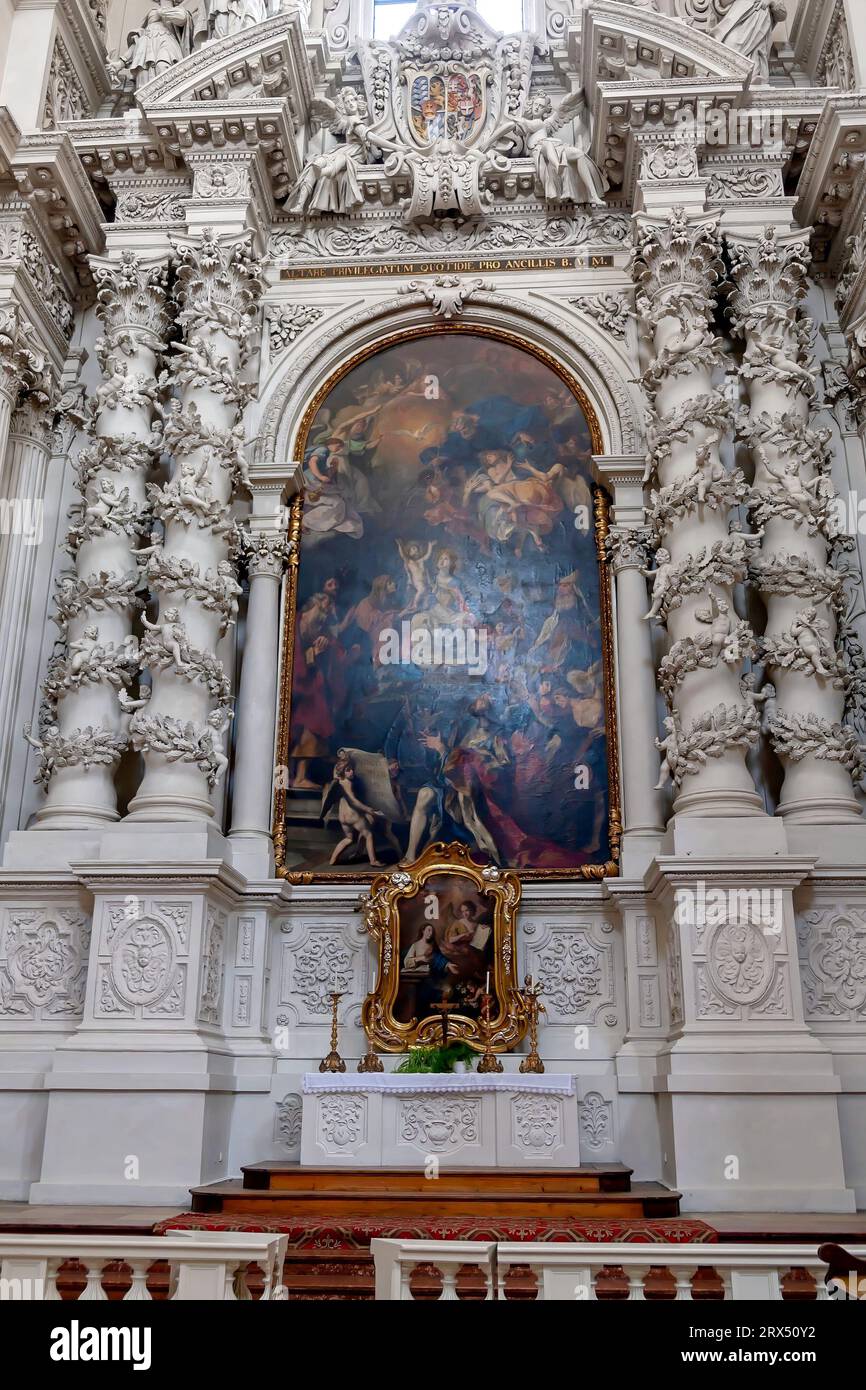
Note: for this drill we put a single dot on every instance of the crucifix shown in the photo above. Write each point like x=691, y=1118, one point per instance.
x=445, y=1008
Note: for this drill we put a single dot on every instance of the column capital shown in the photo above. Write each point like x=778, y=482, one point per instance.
x=265, y=552
x=629, y=548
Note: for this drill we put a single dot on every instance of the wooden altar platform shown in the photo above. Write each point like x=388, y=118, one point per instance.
x=593, y=1190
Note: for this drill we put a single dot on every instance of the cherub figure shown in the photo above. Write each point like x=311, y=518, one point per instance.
x=669, y=749
x=810, y=633
x=771, y=347
x=718, y=617
x=415, y=557
x=661, y=577
x=193, y=488
x=82, y=650
x=565, y=171
x=100, y=512
x=709, y=470
x=211, y=743
x=172, y=634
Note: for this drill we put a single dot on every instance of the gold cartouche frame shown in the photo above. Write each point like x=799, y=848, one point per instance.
x=601, y=503
x=381, y=912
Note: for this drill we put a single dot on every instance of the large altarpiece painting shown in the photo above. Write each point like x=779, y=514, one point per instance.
x=447, y=650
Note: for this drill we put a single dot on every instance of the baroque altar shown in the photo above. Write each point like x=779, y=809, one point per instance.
x=393, y=1120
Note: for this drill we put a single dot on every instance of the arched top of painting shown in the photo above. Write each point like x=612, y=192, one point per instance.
x=568, y=349
x=401, y=373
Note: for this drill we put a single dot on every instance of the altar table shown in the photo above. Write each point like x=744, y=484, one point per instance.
x=401, y=1120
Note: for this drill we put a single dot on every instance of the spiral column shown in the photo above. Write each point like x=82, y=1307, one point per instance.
x=811, y=682
x=83, y=729
x=181, y=732
x=699, y=557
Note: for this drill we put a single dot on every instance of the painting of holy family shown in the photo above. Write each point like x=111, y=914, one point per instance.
x=447, y=676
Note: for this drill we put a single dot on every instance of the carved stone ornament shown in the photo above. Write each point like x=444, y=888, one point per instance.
x=188, y=742
x=610, y=311
x=382, y=911
x=445, y=109
x=447, y=295
x=439, y=1125
x=287, y=1122
x=286, y=322
x=142, y=962
x=740, y=962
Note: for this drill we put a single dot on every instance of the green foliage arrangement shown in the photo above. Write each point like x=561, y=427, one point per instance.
x=436, y=1059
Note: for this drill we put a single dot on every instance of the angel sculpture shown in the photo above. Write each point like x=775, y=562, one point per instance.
x=565, y=171
x=661, y=577
x=193, y=487
x=100, y=512
x=210, y=743
x=171, y=634
x=669, y=749
x=82, y=650
x=771, y=349
x=709, y=470
x=718, y=618
x=330, y=181
x=811, y=636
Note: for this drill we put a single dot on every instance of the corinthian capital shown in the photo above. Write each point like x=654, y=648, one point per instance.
x=218, y=283
x=767, y=269
x=265, y=552
x=629, y=548
x=677, y=253
x=131, y=297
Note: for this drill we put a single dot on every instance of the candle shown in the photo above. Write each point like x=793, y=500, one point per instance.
x=487, y=986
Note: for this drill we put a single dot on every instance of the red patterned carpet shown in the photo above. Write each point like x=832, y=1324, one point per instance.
x=352, y=1233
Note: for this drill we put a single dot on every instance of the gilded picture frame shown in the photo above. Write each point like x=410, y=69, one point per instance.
x=468, y=911
x=284, y=867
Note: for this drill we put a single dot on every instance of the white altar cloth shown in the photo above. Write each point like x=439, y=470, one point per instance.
x=552, y=1084
x=400, y=1120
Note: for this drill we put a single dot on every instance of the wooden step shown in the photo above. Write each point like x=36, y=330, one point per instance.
x=483, y=1203
x=291, y=1177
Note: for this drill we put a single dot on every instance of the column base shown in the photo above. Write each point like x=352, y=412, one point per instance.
x=252, y=853
x=719, y=803
x=749, y=836
x=824, y=811
x=169, y=808
x=72, y=817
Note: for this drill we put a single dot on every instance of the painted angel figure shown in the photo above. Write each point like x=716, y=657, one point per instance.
x=165, y=38
x=415, y=557
x=565, y=171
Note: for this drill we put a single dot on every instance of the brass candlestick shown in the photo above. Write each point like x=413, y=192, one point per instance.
x=333, y=1061
x=371, y=1061
x=489, y=1060
x=532, y=1007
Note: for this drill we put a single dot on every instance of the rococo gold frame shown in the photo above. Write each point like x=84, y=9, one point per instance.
x=381, y=911
x=602, y=527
